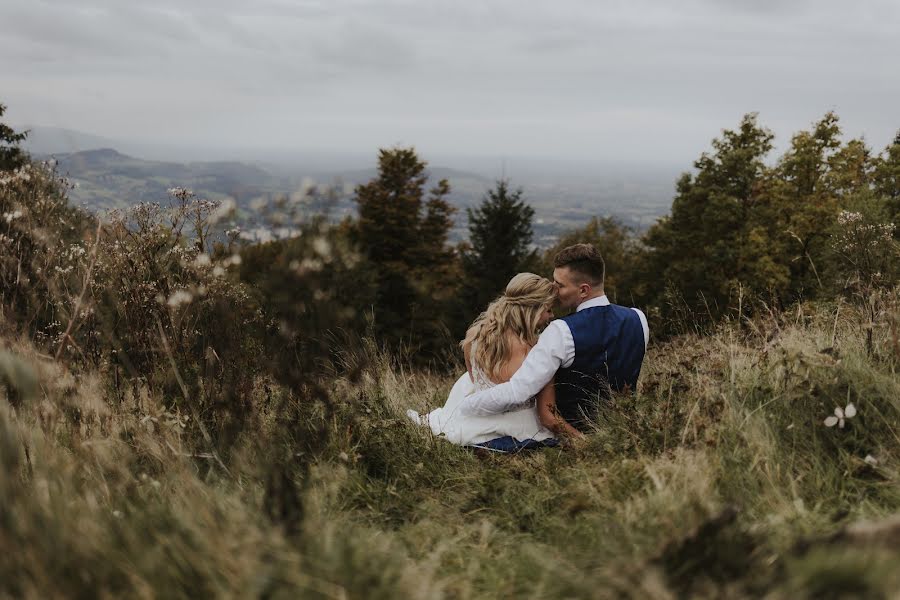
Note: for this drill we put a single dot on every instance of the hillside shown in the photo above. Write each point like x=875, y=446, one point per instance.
x=719, y=479
x=186, y=419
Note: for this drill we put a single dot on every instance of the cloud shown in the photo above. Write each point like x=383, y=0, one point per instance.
x=644, y=78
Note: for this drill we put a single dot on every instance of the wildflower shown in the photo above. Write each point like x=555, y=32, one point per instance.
x=202, y=260
x=840, y=415
x=12, y=216
x=224, y=210
x=847, y=217
x=180, y=192
x=871, y=460
x=178, y=298
x=321, y=246
x=234, y=259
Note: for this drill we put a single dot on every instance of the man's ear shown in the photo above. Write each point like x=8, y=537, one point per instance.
x=585, y=289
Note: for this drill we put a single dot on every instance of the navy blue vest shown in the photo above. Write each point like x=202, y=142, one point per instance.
x=609, y=350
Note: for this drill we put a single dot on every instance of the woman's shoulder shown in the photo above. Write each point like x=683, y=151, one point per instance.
x=518, y=350
x=517, y=346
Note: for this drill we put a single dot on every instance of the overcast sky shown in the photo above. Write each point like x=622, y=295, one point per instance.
x=650, y=80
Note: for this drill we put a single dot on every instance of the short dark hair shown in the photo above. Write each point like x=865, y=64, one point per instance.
x=583, y=260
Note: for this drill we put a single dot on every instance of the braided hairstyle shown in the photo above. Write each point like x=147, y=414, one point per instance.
x=516, y=312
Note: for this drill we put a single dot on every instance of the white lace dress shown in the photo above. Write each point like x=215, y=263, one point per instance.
x=463, y=430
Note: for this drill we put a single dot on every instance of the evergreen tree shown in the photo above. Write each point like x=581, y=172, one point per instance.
x=404, y=237
x=11, y=155
x=500, y=236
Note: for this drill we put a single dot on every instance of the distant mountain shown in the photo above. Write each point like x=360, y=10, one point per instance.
x=564, y=194
x=106, y=178
x=56, y=140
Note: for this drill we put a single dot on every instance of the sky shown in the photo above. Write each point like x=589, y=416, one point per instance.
x=599, y=80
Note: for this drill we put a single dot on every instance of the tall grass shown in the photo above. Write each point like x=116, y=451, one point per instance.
x=719, y=478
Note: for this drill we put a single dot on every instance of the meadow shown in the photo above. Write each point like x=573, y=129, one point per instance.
x=718, y=478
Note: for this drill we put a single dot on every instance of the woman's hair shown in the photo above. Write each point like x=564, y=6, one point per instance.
x=516, y=312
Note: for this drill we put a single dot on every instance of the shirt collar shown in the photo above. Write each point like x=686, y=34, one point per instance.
x=598, y=301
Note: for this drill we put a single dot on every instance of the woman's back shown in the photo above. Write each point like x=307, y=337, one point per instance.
x=509, y=364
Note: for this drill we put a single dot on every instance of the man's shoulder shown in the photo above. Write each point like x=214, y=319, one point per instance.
x=593, y=311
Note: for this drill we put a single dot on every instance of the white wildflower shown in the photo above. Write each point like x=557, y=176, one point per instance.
x=223, y=211
x=258, y=204
x=847, y=217
x=178, y=298
x=12, y=216
x=869, y=459
x=322, y=246
x=180, y=192
x=202, y=260
x=840, y=415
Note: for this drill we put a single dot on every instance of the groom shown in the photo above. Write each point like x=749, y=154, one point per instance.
x=598, y=348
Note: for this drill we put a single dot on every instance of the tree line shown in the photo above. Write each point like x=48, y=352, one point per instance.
x=744, y=233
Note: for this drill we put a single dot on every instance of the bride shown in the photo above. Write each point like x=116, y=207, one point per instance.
x=495, y=346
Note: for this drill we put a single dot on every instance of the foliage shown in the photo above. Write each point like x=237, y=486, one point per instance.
x=11, y=155
x=741, y=232
x=403, y=235
x=500, y=245
x=712, y=240
x=40, y=236
x=886, y=175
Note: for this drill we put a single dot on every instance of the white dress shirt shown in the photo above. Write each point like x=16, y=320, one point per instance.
x=555, y=348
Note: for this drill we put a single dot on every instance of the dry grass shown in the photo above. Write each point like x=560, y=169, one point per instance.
x=718, y=478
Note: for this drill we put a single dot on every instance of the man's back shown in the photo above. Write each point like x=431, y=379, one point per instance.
x=609, y=350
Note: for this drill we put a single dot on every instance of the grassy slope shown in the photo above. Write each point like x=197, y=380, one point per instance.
x=719, y=478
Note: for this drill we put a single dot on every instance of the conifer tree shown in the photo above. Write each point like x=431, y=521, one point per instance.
x=500, y=236
x=404, y=236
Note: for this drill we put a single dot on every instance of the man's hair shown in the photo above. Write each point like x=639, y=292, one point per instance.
x=584, y=261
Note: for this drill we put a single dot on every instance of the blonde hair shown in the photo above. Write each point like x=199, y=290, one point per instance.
x=516, y=312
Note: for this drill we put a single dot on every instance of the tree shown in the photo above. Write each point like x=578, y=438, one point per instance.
x=712, y=241
x=886, y=177
x=11, y=155
x=500, y=236
x=404, y=237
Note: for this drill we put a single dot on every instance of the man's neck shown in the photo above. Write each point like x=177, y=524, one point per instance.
x=593, y=296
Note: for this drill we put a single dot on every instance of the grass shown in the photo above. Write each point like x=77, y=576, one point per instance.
x=717, y=479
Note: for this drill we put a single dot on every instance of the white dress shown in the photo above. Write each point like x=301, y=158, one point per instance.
x=448, y=422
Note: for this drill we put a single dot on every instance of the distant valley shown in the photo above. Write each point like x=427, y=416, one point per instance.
x=563, y=197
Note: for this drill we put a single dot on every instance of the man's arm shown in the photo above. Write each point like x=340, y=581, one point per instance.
x=552, y=351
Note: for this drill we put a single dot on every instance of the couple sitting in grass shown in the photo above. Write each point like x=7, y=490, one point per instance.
x=523, y=390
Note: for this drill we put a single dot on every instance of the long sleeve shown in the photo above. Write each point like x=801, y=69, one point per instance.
x=555, y=348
